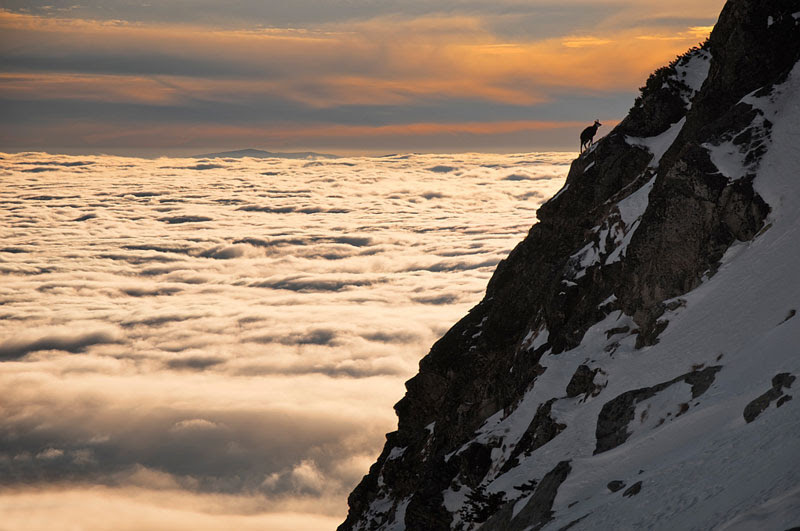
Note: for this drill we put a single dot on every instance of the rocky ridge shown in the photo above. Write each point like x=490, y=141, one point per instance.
x=585, y=345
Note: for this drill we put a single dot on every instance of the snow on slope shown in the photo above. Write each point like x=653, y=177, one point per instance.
x=613, y=236
x=734, y=469
x=659, y=144
x=698, y=460
x=692, y=71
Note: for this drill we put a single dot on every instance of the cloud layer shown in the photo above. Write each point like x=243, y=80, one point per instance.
x=220, y=342
x=365, y=77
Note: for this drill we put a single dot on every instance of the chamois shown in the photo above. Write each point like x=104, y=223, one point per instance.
x=588, y=135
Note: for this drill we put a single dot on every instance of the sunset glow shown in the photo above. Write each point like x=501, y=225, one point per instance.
x=194, y=339
x=292, y=80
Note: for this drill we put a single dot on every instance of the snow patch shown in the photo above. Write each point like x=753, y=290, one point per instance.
x=632, y=207
x=665, y=406
x=692, y=72
x=396, y=453
x=659, y=144
x=399, y=523
x=728, y=158
x=779, y=512
x=455, y=500
x=615, y=233
x=608, y=301
x=540, y=339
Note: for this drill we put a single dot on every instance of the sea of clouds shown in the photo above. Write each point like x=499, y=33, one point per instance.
x=218, y=343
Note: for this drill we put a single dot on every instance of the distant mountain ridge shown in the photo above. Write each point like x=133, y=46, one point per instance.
x=632, y=363
x=261, y=154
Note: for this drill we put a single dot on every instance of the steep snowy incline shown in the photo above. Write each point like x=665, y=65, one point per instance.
x=633, y=363
x=737, y=475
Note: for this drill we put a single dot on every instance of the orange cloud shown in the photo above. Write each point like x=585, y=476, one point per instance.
x=105, y=88
x=380, y=61
x=583, y=42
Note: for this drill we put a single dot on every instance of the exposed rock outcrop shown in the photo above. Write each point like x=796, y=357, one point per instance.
x=776, y=393
x=646, y=216
x=616, y=415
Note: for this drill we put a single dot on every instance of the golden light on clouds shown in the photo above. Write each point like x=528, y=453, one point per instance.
x=583, y=42
x=379, y=61
x=237, y=372
x=217, y=344
x=698, y=33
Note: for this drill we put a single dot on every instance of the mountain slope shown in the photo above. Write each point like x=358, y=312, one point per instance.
x=631, y=365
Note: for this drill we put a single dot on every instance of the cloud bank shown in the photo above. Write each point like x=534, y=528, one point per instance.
x=221, y=346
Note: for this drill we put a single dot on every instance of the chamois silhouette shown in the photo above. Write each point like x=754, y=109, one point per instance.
x=587, y=135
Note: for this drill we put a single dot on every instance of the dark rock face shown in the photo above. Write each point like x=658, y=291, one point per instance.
x=779, y=383
x=542, y=429
x=582, y=382
x=537, y=512
x=615, y=485
x=633, y=490
x=585, y=260
x=616, y=415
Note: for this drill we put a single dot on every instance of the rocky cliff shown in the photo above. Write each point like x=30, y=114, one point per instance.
x=631, y=364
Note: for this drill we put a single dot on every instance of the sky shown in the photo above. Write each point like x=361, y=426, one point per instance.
x=178, y=77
